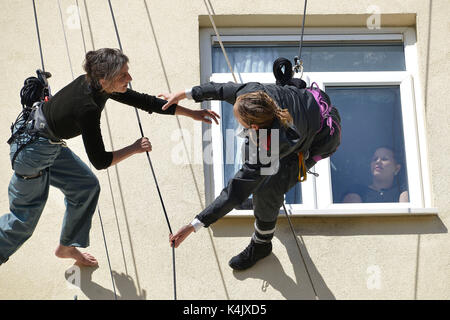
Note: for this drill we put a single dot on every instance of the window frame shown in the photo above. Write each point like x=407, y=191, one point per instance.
x=321, y=204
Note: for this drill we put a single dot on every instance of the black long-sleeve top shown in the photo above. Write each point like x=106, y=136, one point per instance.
x=76, y=109
x=293, y=139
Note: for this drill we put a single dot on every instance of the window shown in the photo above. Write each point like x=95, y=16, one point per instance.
x=367, y=78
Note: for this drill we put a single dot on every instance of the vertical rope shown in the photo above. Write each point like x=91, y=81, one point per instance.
x=231, y=70
x=38, y=35
x=148, y=157
x=300, y=251
x=303, y=31
x=90, y=166
x=220, y=40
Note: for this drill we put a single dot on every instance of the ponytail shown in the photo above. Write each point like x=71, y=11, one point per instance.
x=284, y=116
x=259, y=109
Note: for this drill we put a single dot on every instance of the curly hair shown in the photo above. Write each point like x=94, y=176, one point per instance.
x=103, y=63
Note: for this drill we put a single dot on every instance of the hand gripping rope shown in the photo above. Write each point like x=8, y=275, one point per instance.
x=298, y=67
x=149, y=160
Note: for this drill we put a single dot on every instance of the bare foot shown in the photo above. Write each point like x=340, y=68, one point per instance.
x=84, y=259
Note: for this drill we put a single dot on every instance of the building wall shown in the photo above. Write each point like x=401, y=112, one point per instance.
x=409, y=255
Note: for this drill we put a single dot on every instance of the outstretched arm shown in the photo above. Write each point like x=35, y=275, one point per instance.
x=211, y=91
x=239, y=188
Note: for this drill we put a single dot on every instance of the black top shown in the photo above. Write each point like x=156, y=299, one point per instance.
x=76, y=109
x=299, y=137
x=369, y=195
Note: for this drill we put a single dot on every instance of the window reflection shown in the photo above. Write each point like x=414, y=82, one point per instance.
x=316, y=58
x=369, y=165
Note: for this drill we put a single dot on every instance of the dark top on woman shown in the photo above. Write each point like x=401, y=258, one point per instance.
x=76, y=109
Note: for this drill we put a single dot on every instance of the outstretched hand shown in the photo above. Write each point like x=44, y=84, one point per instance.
x=172, y=98
x=205, y=115
x=181, y=235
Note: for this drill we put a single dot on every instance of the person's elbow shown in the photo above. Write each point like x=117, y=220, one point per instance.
x=103, y=162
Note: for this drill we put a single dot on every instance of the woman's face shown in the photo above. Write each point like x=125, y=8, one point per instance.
x=119, y=83
x=383, y=164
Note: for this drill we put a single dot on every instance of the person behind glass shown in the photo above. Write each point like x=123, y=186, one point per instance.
x=303, y=127
x=385, y=186
x=74, y=110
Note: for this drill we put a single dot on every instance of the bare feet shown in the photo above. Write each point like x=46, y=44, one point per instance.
x=84, y=259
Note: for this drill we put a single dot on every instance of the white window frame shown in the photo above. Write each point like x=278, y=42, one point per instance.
x=320, y=204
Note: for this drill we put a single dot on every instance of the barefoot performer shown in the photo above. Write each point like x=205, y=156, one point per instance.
x=40, y=157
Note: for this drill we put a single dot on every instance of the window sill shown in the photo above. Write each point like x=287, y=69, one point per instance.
x=349, y=212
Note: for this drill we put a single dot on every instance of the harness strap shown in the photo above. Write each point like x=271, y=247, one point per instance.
x=301, y=168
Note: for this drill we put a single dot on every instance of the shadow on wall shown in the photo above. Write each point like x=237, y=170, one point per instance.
x=81, y=277
x=271, y=271
x=340, y=226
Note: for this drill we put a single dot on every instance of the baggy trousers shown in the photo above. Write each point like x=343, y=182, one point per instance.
x=61, y=168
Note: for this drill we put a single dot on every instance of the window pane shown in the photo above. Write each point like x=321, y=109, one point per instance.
x=369, y=165
x=316, y=58
x=232, y=154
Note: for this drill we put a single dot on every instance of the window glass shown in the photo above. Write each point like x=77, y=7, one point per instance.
x=369, y=165
x=371, y=116
x=316, y=58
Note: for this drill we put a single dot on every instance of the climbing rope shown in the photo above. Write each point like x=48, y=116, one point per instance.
x=298, y=59
x=300, y=67
x=90, y=166
x=38, y=35
x=220, y=40
x=149, y=160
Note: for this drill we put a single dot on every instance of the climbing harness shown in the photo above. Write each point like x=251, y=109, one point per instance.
x=149, y=160
x=301, y=168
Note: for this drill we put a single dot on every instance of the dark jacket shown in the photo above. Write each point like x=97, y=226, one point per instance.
x=301, y=136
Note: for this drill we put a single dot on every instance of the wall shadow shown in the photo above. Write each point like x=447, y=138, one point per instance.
x=342, y=226
x=271, y=271
x=126, y=288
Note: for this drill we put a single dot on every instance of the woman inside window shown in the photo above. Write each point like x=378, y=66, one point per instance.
x=386, y=185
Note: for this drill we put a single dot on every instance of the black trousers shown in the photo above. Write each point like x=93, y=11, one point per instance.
x=269, y=197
